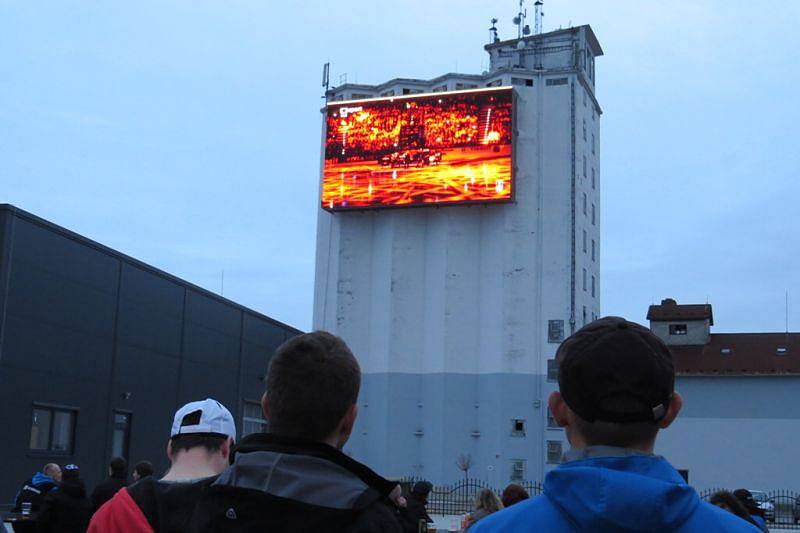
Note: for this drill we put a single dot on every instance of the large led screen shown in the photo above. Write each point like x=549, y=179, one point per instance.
x=431, y=149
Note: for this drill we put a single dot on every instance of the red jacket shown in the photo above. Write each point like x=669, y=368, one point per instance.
x=120, y=515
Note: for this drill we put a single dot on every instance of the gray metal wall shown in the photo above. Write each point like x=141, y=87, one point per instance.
x=86, y=327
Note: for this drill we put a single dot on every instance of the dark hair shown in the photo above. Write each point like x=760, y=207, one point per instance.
x=732, y=503
x=144, y=468
x=313, y=379
x=212, y=442
x=119, y=467
x=514, y=494
x=600, y=433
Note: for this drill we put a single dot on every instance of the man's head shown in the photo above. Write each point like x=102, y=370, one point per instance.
x=616, y=382
x=118, y=467
x=312, y=388
x=52, y=471
x=142, y=469
x=201, y=439
x=421, y=490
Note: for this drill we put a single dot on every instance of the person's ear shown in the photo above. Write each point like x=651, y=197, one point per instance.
x=346, y=425
x=226, y=447
x=169, y=450
x=265, y=405
x=675, y=405
x=558, y=408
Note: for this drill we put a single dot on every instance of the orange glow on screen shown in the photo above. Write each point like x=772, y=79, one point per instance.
x=440, y=148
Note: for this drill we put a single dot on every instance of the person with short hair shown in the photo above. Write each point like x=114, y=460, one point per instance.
x=414, y=511
x=199, y=449
x=117, y=479
x=33, y=492
x=296, y=478
x=512, y=494
x=66, y=509
x=616, y=391
x=142, y=469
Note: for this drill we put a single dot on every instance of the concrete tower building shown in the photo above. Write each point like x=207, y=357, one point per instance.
x=455, y=312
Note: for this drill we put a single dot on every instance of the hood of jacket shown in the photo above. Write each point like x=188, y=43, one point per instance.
x=633, y=493
x=308, y=472
x=39, y=480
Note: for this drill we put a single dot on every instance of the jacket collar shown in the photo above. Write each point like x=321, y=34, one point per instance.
x=268, y=442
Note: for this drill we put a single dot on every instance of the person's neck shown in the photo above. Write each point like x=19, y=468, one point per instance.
x=192, y=464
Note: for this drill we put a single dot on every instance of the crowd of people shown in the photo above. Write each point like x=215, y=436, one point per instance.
x=616, y=392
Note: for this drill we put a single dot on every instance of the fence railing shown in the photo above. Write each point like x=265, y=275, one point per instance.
x=781, y=507
x=459, y=497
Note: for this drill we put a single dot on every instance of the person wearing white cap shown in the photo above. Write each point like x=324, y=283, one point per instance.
x=199, y=447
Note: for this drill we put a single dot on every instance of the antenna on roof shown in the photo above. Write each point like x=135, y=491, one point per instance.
x=787, y=311
x=519, y=20
x=326, y=78
x=539, y=4
x=493, y=32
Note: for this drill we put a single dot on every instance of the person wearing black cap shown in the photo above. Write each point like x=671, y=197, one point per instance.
x=66, y=509
x=415, y=510
x=616, y=391
x=756, y=513
x=117, y=479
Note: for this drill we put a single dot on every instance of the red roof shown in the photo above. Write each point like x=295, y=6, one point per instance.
x=740, y=353
x=669, y=310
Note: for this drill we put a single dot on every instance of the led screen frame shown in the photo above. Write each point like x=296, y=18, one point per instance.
x=402, y=165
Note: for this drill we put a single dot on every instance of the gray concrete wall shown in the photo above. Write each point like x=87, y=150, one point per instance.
x=737, y=432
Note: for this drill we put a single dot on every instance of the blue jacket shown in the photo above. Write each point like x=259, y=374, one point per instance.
x=614, y=494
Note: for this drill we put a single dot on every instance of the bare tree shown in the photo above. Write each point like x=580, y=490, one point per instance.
x=464, y=462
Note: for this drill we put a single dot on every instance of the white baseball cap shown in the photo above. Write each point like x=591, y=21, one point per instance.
x=206, y=416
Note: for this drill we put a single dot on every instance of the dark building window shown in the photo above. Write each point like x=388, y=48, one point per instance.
x=594, y=218
x=554, y=452
x=593, y=178
x=53, y=429
x=677, y=329
x=121, y=438
x=522, y=81
x=552, y=370
x=517, y=427
x=555, y=330
x=593, y=250
x=253, y=419
x=556, y=81
x=517, y=470
x=593, y=287
x=584, y=280
x=584, y=241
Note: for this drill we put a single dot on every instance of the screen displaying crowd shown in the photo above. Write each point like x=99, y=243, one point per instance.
x=421, y=149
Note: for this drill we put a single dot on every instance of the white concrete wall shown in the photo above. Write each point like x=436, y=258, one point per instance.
x=428, y=297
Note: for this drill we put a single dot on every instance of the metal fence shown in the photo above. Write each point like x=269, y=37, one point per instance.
x=781, y=507
x=459, y=498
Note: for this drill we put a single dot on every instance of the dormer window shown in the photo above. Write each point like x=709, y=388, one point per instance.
x=677, y=329
x=781, y=351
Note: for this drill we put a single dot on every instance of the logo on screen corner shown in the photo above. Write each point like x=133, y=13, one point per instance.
x=344, y=111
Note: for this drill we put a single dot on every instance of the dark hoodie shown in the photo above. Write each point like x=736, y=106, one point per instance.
x=278, y=484
x=66, y=509
x=106, y=489
x=631, y=492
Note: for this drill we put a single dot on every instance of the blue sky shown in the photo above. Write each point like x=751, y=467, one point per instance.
x=186, y=134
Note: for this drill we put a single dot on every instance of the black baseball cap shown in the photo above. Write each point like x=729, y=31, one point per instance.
x=613, y=370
